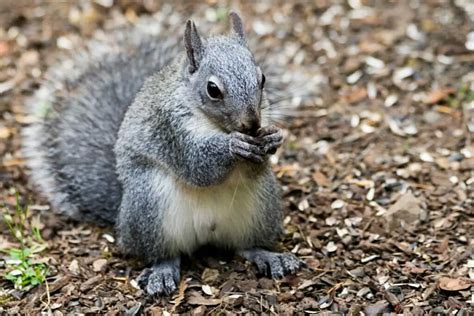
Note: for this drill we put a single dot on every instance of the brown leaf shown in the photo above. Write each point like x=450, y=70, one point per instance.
x=199, y=311
x=443, y=246
x=99, y=264
x=4, y=48
x=195, y=298
x=4, y=132
x=321, y=179
x=178, y=299
x=355, y=95
x=454, y=284
x=210, y=275
x=417, y=270
x=438, y=95
x=406, y=209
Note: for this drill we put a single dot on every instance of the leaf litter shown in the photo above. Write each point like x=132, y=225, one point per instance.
x=377, y=175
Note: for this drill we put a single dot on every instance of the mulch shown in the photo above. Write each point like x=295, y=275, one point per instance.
x=377, y=167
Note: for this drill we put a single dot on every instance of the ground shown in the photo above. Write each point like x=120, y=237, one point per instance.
x=377, y=167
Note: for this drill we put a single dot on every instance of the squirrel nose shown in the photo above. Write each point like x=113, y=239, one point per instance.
x=250, y=127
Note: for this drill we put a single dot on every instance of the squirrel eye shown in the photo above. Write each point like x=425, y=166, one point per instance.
x=263, y=81
x=213, y=91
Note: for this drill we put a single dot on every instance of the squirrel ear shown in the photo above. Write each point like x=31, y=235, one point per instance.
x=237, y=26
x=193, y=45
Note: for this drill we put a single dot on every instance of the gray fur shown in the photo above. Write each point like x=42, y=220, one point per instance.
x=79, y=110
x=237, y=27
x=133, y=119
x=193, y=45
x=273, y=264
x=162, y=277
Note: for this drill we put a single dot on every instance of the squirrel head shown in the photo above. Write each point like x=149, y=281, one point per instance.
x=224, y=79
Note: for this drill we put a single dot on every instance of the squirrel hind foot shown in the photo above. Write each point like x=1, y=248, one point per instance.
x=160, y=279
x=273, y=264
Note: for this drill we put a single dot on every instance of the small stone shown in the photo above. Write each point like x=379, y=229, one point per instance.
x=357, y=272
x=210, y=275
x=266, y=284
x=331, y=221
x=199, y=311
x=363, y=292
x=391, y=100
x=303, y=205
x=369, y=258
x=371, y=194
x=426, y=157
x=431, y=117
x=331, y=247
x=99, y=264
x=207, y=290
x=74, y=267
x=109, y=238
x=337, y=204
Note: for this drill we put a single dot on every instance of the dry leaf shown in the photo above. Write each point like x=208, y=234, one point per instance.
x=438, y=95
x=74, y=267
x=195, y=298
x=4, y=132
x=454, y=284
x=356, y=95
x=406, y=209
x=179, y=297
x=207, y=289
x=99, y=264
x=321, y=179
x=210, y=275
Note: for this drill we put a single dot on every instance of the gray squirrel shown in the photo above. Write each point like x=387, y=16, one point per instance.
x=171, y=146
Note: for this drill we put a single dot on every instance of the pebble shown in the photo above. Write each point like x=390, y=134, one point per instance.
x=337, y=204
x=391, y=100
x=331, y=247
x=426, y=157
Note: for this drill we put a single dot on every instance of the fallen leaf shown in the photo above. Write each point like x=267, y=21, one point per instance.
x=454, y=284
x=179, y=297
x=199, y=311
x=407, y=209
x=337, y=204
x=195, y=298
x=99, y=264
x=210, y=275
x=417, y=270
x=443, y=246
x=321, y=179
x=207, y=290
x=4, y=132
x=331, y=246
x=355, y=95
x=377, y=308
x=438, y=95
x=74, y=267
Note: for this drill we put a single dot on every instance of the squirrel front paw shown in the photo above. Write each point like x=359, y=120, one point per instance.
x=161, y=279
x=255, y=148
x=271, y=138
x=247, y=147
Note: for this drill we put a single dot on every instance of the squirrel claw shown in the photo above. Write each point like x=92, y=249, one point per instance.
x=161, y=279
x=273, y=264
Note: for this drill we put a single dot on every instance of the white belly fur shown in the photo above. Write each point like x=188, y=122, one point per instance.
x=222, y=215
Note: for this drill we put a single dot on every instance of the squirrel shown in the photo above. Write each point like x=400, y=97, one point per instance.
x=171, y=146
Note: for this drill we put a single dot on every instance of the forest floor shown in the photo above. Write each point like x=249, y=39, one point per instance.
x=378, y=173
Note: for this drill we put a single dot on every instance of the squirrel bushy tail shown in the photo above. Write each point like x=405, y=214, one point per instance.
x=79, y=109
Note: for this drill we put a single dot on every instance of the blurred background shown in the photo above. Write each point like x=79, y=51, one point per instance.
x=377, y=168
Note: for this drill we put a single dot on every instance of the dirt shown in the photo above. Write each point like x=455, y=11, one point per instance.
x=377, y=167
